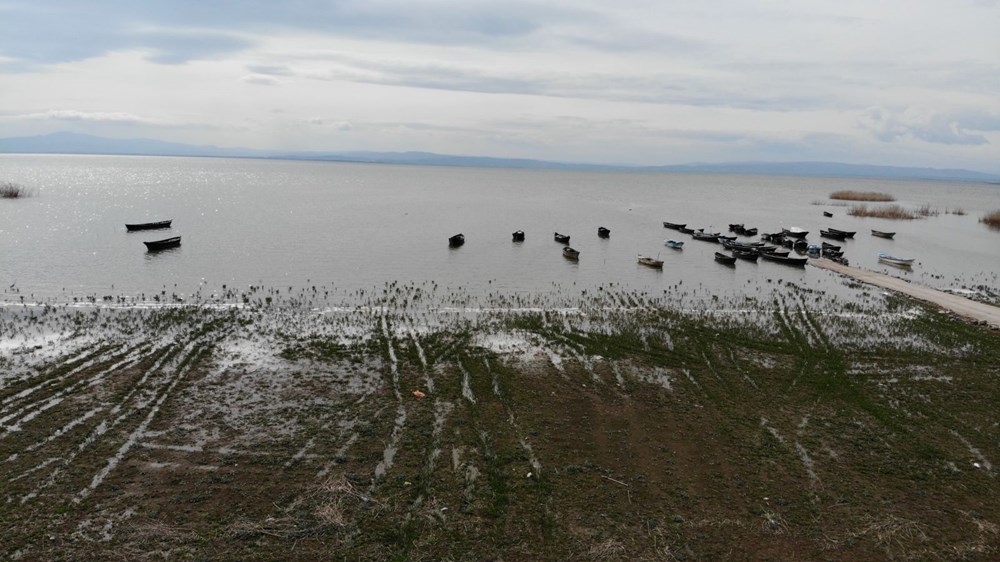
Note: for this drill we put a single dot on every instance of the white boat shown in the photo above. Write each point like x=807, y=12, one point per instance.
x=651, y=262
x=884, y=257
x=675, y=244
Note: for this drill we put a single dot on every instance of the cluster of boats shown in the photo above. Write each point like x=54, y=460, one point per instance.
x=156, y=245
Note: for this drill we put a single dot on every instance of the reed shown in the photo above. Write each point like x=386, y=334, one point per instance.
x=992, y=220
x=888, y=212
x=11, y=190
x=861, y=196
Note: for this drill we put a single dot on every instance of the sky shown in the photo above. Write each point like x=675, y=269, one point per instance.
x=647, y=82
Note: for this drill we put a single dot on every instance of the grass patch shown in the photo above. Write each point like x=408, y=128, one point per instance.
x=848, y=195
x=11, y=190
x=992, y=220
x=888, y=212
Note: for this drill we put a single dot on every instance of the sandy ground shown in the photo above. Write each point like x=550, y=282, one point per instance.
x=962, y=306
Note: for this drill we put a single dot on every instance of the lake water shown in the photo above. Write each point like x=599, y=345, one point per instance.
x=357, y=226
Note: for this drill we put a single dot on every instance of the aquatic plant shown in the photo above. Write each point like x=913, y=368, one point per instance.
x=888, y=212
x=11, y=190
x=992, y=220
x=861, y=196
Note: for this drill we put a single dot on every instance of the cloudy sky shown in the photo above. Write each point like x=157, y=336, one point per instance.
x=896, y=82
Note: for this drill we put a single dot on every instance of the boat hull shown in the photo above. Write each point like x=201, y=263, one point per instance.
x=157, y=245
x=148, y=225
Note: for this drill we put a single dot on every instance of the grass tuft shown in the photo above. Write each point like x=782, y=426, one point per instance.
x=992, y=220
x=888, y=212
x=11, y=190
x=861, y=196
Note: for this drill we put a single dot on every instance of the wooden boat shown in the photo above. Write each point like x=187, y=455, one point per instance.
x=750, y=231
x=148, y=225
x=456, y=240
x=836, y=235
x=794, y=232
x=845, y=233
x=886, y=258
x=798, y=262
x=827, y=214
x=603, y=232
x=735, y=227
x=650, y=262
x=800, y=246
x=673, y=225
x=685, y=230
x=829, y=246
x=675, y=244
x=726, y=239
x=750, y=255
x=724, y=259
x=779, y=253
x=157, y=245
x=570, y=253
x=518, y=236
x=706, y=236
x=562, y=238
x=881, y=234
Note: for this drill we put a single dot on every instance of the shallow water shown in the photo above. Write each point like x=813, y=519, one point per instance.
x=358, y=226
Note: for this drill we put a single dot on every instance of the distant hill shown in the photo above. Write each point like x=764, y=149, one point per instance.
x=75, y=143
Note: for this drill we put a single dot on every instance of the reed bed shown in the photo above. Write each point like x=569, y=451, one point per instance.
x=887, y=212
x=11, y=190
x=992, y=220
x=861, y=196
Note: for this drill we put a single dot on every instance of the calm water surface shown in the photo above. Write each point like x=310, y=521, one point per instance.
x=356, y=226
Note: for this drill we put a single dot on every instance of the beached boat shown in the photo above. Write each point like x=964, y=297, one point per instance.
x=156, y=245
x=794, y=232
x=603, y=232
x=886, y=258
x=799, y=262
x=650, y=262
x=148, y=225
x=673, y=225
x=882, y=234
x=836, y=235
x=518, y=236
x=845, y=233
x=724, y=259
x=675, y=244
x=456, y=240
x=570, y=253
x=800, y=246
x=561, y=238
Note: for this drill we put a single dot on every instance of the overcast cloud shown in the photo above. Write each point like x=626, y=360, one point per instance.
x=912, y=82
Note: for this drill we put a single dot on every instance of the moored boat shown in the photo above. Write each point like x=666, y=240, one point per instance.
x=603, y=232
x=706, y=236
x=749, y=255
x=794, y=232
x=673, y=225
x=650, y=262
x=830, y=233
x=156, y=245
x=148, y=225
x=685, y=229
x=561, y=238
x=882, y=234
x=570, y=253
x=456, y=240
x=829, y=246
x=724, y=259
x=827, y=214
x=798, y=262
x=675, y=244
x=518, y=236
x=845, y=233
x=886, y=258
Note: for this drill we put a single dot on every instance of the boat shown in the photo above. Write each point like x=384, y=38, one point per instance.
x=735, y=228
x=518, y=236
x=673, y=225
x=829, y=246
x=562, y=238
x=835, y=234
x=827, y=214
x=651, y=262
x=794, y=232
x=814, y=251
x=779, y=253
x=675, y=244
x=148, y=225
x=886, y=258
x=706, y=236
x=726, y=239
x=603, y=232
x=456, y=240
x=798, y=262
x=724, y=259
x=800, y=246
x=570, y=253
x=749, y=255
x=845, y=233
x=750, y=231
x=685, y=230
x=881, y=234
x=157, y=245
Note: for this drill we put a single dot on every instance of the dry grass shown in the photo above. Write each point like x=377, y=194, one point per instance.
x=11, y=190
x=992, y=220
x=888, y=212
x=861, y=196
x=927, y=211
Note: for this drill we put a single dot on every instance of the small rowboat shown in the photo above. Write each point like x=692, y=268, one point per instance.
x=798, y=262
x=706, y=236
x=835, y=234
x=148, y=225
x=827, y=214
x=903, y=262
x=749, y=255
x=562, y=238
x=603, y=232
x=685, y=229
x=673, y=225
x=794, y=232
x=650, y=262
x=845, y=233
x=456, y=240
x=724, y=259
x=570, y=253
x=675, y=244
x=518, y=236
x=157, y=245
x=881, y=234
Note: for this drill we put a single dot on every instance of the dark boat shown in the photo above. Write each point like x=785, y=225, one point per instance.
x=603, y=232
x=827, y=214
x=735, y=228
x=751, y=255
x=726, y=238
x=456, y=240
x=562, y=238
x=835, y=234
x=798, y=262
x=149, y=225
x=157, y=245
x=779, y=253
x=800, y=246
x=829, y=246
x=706, y=236
x=750, y=231
x=685, y=229
x=724, y=259
x=773, y=238
x=519, y=236
x=673, y=225
x=881, y=234
x=845, y=233
x=570, y=253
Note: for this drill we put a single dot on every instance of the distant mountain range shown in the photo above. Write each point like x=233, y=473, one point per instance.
x=75, y=143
